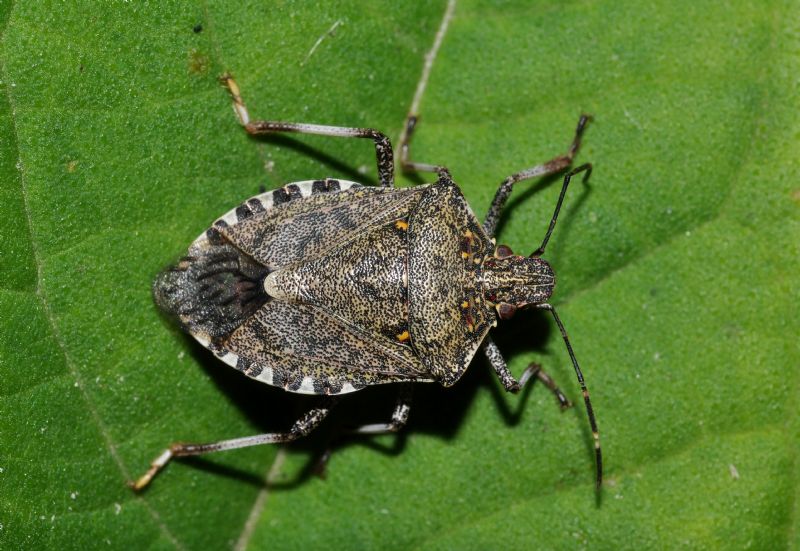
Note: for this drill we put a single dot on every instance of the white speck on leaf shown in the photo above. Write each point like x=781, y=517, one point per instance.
x=117, y=508
x=734, y=471
x=73, y=495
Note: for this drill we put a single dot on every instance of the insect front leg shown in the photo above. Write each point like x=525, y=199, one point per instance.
x=301, y=427
x=383, y=147
x=552, y=166
x=534, y=370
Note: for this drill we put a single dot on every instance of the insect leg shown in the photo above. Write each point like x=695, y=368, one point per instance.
x=399, y=419
x=534, y=370
x=301, y=427
x=383, y=147
x=405, y=154
x=584, y=390
x=399, y=416
x=552, y=166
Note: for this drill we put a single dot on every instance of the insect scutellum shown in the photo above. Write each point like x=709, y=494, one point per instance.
x=326, y=286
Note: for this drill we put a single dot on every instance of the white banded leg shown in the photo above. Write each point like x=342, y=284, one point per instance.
x=533, y=371
x=399, y=415
x=301, y=427
x=383, y=147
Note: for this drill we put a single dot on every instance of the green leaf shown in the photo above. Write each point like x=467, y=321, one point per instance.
x=677, y=266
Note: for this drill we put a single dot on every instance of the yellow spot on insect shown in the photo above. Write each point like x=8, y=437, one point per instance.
x=401, y=225
x=477, y=260
x=464, y=255
x=470, y=327
x=468, y=234
x=465, y=304
x=404, y=336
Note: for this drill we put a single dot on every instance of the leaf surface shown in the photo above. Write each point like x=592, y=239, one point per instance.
x=677, y=266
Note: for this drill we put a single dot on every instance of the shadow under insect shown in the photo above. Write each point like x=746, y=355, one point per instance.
x=437, y=411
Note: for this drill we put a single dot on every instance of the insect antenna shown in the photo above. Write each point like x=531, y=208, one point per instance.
x=588, y=168
x=585, y=391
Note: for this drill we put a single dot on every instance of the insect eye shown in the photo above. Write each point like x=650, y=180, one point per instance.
x=503, y=251
x=506, y=310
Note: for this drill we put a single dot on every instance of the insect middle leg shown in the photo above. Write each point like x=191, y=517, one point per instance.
x=552, y=166
x=301, y=427
x=405, y=150
x=399, y=416
x=398, y=421
x=534, y=370
x=383, y=147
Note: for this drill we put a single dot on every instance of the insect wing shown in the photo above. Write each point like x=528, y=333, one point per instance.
x=304, y=349
x=288, y=230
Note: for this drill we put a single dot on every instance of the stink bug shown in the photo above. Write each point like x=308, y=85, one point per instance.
x=325, y=287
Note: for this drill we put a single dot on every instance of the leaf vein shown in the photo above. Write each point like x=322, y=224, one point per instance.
x=37, y=258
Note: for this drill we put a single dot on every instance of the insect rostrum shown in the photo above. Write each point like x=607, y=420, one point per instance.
x=327, y=286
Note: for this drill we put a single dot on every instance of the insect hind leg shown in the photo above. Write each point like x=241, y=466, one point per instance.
x=383, y=146
x=301, y=427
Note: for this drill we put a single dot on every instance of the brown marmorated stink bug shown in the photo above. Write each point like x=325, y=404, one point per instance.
x=325, y=287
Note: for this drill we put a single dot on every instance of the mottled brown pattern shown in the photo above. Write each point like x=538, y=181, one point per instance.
x=357, y=287
x=300, y=340
x=361, y=281
x=303, y=229
x=441, y=280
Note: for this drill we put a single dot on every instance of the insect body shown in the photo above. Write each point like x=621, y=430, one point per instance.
x=326, y=286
